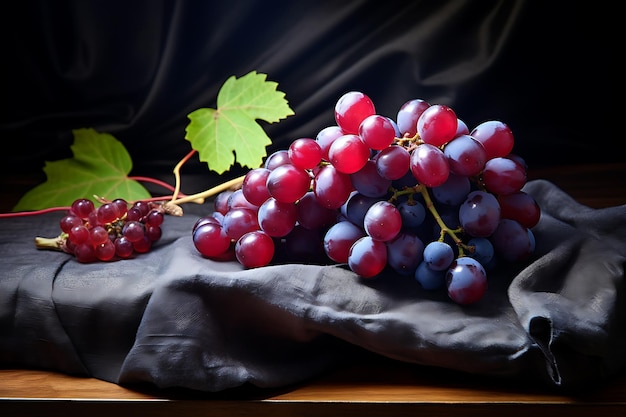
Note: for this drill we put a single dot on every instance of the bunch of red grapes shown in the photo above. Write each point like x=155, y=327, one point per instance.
x=113, y=230
x=421, y=195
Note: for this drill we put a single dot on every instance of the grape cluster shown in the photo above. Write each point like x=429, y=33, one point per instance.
x=422, y=195
x=113, y=230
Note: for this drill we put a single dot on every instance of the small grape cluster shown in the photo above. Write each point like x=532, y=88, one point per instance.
x=113, y=230
x=360, y=192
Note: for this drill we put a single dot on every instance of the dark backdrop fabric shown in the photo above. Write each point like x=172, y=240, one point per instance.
x=174, y=319
x=137, y=68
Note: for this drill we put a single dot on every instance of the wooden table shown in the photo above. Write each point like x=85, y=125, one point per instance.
x=383, y=388
x=377, y=388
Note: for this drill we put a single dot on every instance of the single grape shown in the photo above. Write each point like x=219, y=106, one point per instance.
x=305, y=153
x=393, y=162
x=237, y=199
x=144, y=207
x=348, y=153
x=512, y=241
x=503, y=176
x=437, y=125
x=133, y=213
x=404, y=253
x=79, y=234
x=438, y=255
x=331, y=187
x=452, y=192
x=369, y=182
x=85, y=253
x=377, y=132
x=496, y=137
x=483, y=250
x=466, y=281
x=220, y=204
x=276, y=159
x=143, y=245
x=254, y=186
x=382, y=221
x=108, y=213
x=122, y=206
x=479, y=215
x=105, y=251
x=413, y=213
x=339, y=238
x=211, y=240
x=367, y=257
x=355, y=208
x=351, y=109
x=466, y=156
x=429, y=165
x=408, y=115
x=428, y=278
x=521, y=207
x=312, y=215
x=133, y=231
x=326, y=137
x=68, y=221
x=123, y=247
x=276, y=218
x=254, y=249
x=155, y=218
x=239, y=221
x=153, y=233
x=287, y=183
x=98, y=235
x=82, y=207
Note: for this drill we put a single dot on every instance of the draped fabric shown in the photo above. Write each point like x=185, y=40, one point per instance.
x=175, y=319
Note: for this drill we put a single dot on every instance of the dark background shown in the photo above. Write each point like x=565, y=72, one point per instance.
x=137, y=68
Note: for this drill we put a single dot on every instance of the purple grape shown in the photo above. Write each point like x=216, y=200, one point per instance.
x=480, y=214
x=438, y=255
x=512, y=241
x=466, y=280
x=404, y=253
x=428, y=278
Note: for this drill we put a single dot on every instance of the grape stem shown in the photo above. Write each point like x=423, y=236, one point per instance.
x=453, y=233
x=52, y=243
x=234, y=183
x=177, y=175
x=154, y=181
x=34, y=212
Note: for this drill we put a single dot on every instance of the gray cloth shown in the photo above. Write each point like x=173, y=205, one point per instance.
x=175, y=319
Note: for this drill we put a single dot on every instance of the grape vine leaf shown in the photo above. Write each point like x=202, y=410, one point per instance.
x=100, y=166
x=232, y=129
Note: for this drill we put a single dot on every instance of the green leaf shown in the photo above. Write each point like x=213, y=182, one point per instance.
x=100, y=166
x=232, y=129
